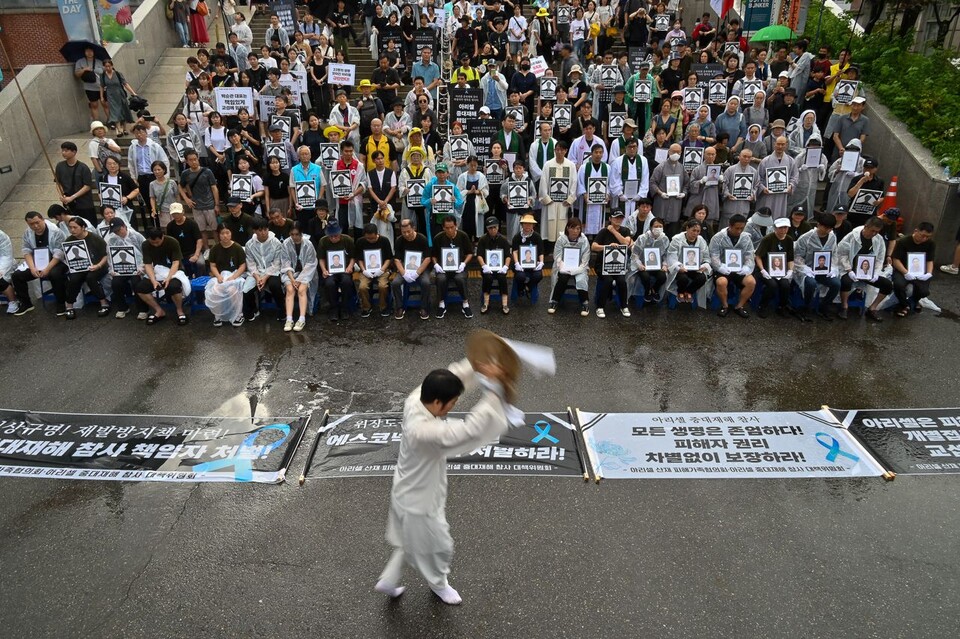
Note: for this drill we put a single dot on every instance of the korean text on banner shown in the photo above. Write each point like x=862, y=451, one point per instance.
x=723, y=445
x=344, y=74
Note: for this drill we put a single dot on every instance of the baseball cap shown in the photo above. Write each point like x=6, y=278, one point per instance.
x=333, y=228
x=858, y=100
x=870, y=163
x=234, y=201
x=117, y=222
x=485, y=109
x=492, y=221
x=781, y=222
x=441, y=166
x=892, y=212
x=176, y=208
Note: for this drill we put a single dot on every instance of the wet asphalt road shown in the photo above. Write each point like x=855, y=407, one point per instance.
x=535, y=557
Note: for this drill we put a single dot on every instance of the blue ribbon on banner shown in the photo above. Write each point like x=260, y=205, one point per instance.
x=833, y=447
x=242, y=462
x=543, y=432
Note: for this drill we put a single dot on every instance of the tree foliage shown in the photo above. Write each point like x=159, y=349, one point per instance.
x=923, y=91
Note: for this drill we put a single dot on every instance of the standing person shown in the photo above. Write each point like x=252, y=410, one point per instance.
x=199, y=191
x=76, y=183
x=88, y=70
x=417, y=527
x=181, y=20
x=198, y=23
x=113, y=92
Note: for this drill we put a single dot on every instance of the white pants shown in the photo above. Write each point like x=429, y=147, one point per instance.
x=424, y=542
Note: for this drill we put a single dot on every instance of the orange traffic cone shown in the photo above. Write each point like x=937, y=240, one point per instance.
x=890, y=199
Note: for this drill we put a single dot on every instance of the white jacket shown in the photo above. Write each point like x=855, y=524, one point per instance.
x=7, y=263
x=264, y=258
x=308, y=260
x=850, y=246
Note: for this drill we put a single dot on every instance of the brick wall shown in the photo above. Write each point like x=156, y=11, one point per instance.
x=33, y=37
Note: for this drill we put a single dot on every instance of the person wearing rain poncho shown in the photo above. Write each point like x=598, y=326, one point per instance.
x=778, y=159
x=732, y=205
x=650, y=277
x=841, y=181
x=864, y=240
x=571, y=239
x=225, y=292
x=703, y=189
x=820, y=239
x=805, y=130
x=688, y=273
x=759, y=225
x=809, y=177
x=592, y=168
x=299, y=271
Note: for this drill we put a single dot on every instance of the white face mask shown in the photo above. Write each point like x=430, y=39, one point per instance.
x=674, y=157
x=656, y=232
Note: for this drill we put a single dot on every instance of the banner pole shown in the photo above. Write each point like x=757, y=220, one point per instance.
x=293, y=450
x=313, y=448
x=597, y=473
x=576, y=439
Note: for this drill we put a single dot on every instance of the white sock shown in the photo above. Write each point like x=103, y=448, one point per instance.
x=449, y=596
x=388, y=589
x=289, y=318
x=303, y=318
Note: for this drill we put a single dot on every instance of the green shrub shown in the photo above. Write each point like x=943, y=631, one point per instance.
x=923, y=91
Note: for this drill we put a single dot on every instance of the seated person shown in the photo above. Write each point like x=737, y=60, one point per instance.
x=123, y=285
x=43, y=254
x=93, y=255
x=299, y=268
x=776, y=271
x=374, y=255
x=161, y=265
x=906, y=264
x=451, y=264
x=811, y=271
x=863, y=240
x=611, y=234
x=688, y=262
x=335, y=256
x=733, y=238
x=527, y=256
x=224, y=293
x=566, y=265
x=653, y=276
x=264, y=258
x=410, y=269
x=497, y=267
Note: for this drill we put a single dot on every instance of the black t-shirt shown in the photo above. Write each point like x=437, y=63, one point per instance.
x=283, y=231
x=533, y=240
x=278, y=186
x=772, y=244
x=906, y=245
x=73, y=178
x=866, y=246
x=603, y=238
x=241, y=227
x=164, y=255
x=226, y=259
x=487, y=243
x=185, y=234
x=418, y=245
x=460, y=241
x=381, y=244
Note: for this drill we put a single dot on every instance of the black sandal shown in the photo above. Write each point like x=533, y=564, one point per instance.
x=182, y=320
x=903, y=312
x=723, y=312
x=70, y=314
x=103, y=311
x=153, y=319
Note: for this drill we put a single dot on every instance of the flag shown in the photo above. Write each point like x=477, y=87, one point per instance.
x=721, y=7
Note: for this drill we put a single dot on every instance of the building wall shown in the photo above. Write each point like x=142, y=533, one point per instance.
x=31, y=37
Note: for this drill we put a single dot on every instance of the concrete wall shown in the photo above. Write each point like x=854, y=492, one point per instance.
x=56, y=98
x=923, y=194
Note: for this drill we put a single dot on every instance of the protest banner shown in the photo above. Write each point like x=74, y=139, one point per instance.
x=230, y=100
x=147, y=447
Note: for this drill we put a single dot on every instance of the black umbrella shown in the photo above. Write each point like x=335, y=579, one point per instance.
x=74, y=50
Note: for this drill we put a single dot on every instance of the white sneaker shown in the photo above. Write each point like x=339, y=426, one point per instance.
x=142, y=316
x=950, y=268
x=299, y=326
x=13, y=307
x=625, y=311
x=288, y=326
x=120, y=314
x=600, y=313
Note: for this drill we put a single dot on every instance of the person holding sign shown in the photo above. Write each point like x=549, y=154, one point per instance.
x=651, y=276
x=705, y=186
x=733, y=238
x=350, y=202
x=429, y=200
x=412, y=264
x=374, y=254
x=527, y=253
x=811, y=169
x=558, y=190
x=669, y=184
x=571, y=260
x=775, y=260
x=593, y=186
x=87, y=261
x=863, y=240
x=688, y=263
x=493, y=255
x=629, y=178
x=774, y=193
x=913, y=266
x=413, y=179
x=122, y=284
x=611, y=266
x=815, y=264
x=451, y=241
x=129, y=191
x=518, y=194
x=336, y=250
x=42, y=251
x=867, y=181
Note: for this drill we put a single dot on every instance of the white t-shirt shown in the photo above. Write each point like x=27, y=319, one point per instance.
x=517, y=24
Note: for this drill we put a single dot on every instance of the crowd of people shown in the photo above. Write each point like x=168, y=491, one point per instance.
x=321, y=192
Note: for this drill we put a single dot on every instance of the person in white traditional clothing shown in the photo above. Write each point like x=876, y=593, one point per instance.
x=732, y=205
x=594, y=183
x=778, y=159
x=417, y=526
x=540, y=152
x=808, y=176
x=733, y=238
x=841, y=181
x=299, y=270
x=667, y=202
x=559, y=172
x=629, y=178
x=582, y=147
x=705, y=189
